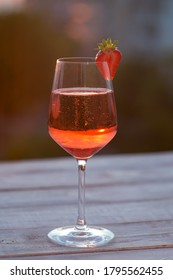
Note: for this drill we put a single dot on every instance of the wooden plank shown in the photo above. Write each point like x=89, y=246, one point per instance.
x=117, y=170
x=146, y=254
x=34, y=241
x=125, y=205
x=28, y=233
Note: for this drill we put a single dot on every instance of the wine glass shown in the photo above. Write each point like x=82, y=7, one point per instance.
x=82, y=120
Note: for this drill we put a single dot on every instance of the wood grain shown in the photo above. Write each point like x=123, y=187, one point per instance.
x=130, y=194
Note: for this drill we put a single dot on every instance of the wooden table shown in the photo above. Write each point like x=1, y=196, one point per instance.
x=132, y=195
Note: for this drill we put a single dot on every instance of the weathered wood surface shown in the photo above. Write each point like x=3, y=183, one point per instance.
x=130, y=194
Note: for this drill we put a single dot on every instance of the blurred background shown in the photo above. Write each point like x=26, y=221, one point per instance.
x=34, y=33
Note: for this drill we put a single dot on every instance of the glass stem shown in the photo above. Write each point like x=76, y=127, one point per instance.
x=81, y=222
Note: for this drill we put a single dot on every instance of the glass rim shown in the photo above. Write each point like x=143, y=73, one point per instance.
x=76, y=59
x=79, y=60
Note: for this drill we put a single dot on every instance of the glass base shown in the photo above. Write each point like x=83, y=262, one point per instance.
x=85, y=238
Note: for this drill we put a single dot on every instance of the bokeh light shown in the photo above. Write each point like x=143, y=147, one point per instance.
x=34, y=33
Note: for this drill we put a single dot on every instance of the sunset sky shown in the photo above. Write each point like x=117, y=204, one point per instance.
x=10, y=3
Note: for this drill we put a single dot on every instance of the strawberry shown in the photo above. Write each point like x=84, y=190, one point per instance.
x=108, y=52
